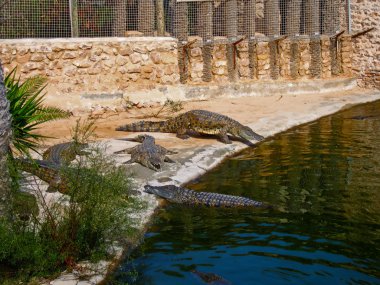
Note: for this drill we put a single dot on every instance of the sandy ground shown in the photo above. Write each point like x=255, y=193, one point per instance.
x=247, y=110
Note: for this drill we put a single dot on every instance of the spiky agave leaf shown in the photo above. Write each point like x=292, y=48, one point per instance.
x=28, y=111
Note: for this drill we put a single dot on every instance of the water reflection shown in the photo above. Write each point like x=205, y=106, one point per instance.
x=323, y=177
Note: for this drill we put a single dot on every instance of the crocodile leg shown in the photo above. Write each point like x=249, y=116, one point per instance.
x=224, y=137
x=126, y=150
x=165, y=150
x=182, y=134
x=54, y=184
x=129, y=161
x=167, y=159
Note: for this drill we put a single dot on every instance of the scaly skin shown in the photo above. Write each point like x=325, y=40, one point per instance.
x=64, y=152
x=46, y=171
x=199, y=121
x=181, y=195
x=211, y=278
x=148, y=153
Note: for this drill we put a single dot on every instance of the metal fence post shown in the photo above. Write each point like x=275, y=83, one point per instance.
x=73, y=4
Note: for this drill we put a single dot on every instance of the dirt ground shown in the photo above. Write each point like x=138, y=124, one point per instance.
x=246, y=110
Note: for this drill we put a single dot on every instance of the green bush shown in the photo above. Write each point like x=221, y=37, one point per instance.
x=81, y=225
x=27, y=110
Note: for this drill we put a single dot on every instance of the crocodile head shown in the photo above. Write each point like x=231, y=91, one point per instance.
x=169, y=192
x=154, y=162
x=247, y=133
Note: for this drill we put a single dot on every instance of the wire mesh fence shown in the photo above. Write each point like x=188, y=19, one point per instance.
x=209, y=19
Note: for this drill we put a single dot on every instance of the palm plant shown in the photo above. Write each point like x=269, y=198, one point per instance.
x=28, y=112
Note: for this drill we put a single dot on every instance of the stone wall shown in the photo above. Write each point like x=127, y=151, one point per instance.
x=82, y=72
x=294, y=58
x=366, y=48
x=100, y=67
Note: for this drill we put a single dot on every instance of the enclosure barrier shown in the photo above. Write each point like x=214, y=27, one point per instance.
x=217, y=41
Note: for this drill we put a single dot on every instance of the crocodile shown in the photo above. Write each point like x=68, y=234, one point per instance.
x=198, y=121
x=64, y=152
x=182, y=195
x=211, y=278
x=48, y=169
x=148, y=153
x=45, y=170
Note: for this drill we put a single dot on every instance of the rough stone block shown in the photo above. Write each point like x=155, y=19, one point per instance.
x=155, y=57
x=37, y=57
x=69, y=55
x=135, y=58
x=22, y=59
x=121, y=60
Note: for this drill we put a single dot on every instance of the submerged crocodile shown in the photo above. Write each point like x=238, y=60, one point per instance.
x=46, y=171
x=182, y=195
x=198, y=121
x=148, y=153
x=211, y=278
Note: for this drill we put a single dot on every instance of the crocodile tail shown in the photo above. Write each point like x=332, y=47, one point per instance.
x=144, y=126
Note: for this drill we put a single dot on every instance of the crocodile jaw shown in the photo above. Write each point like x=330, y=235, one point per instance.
x=161, y=191
x=247, y=133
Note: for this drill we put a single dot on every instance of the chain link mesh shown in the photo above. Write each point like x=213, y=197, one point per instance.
x=212, y=20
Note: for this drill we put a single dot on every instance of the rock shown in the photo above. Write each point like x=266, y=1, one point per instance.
x=264, y=56
x=121, y=60
x=160, y=72
x=82, y=64
x=147, y=69
x=244, y=62
x=125, y=50
x=22, y=51
x=140, y=49
x=57, y=48
x=37, y=57
x=166, y=79
x=93, y=71
x=155, y=57
x=71, y=47
x=22, y=59
x=133, y=76
x=32, y=66
x=168, y=58
x=70, y=71
x=108, y=63
x=220, y=63
x=98, y=51
x=135, y=58
x=85, y=46
x=134, y=68
x=170, y=69
x=69, y=55
x=198, y=66
x=244, y=72
x=196, y=52
x=219, y=71
x=220, y=55
x=144, y=57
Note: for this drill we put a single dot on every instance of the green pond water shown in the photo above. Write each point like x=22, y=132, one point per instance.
x=324, y=178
